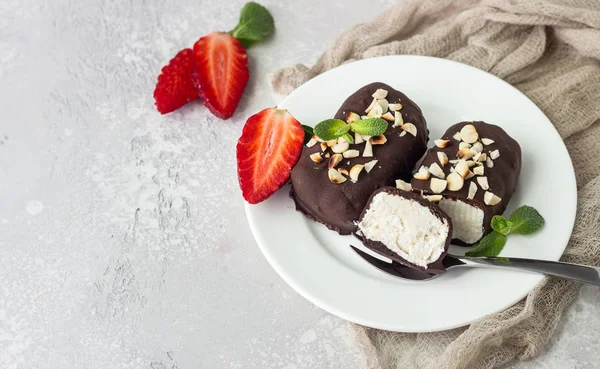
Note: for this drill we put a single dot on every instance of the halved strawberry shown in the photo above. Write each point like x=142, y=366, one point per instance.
x=175, y=87
x=268, y=149
x=220, y=72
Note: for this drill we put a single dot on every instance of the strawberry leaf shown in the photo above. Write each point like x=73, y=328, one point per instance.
x=308, y=133
x=256, y=23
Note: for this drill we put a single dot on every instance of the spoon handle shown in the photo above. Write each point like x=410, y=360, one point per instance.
x=576, y=272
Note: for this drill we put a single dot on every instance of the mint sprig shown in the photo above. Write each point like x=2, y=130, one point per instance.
x=501, y=225
x=524, y=220
x=348, y=137
x=331, y=129
x=370, y=126
x=342, y=130
x=255, y=24
x=490, y=245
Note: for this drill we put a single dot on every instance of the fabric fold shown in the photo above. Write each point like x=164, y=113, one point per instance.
x=549, y=50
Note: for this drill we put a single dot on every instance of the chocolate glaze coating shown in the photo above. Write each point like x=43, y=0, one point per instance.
x=381, y=249
x=338, y=206
x=502, y=178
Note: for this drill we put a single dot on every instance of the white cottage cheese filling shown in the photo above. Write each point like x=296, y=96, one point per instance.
x=467, y=220
x=405, y=227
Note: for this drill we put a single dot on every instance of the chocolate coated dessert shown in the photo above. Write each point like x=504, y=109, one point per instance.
x=333, y=197
x=478, y=179
x=406, y=228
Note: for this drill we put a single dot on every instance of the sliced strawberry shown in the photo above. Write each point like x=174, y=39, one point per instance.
x=175, y=86
x=268, y=149
x=220, y=72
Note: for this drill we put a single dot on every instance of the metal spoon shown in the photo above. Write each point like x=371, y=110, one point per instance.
x=576, y=272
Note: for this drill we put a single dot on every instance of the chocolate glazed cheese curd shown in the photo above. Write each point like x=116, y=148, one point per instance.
x=406, y=228
x=339, y=205
x=492, y=176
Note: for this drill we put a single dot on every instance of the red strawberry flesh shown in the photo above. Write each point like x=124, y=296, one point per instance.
x=220, y=72
x=270, y=146
x=175, y=86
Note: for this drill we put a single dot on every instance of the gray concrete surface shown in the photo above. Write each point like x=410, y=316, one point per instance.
x=123, y=238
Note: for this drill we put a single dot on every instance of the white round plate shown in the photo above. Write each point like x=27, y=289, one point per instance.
x=320, y=266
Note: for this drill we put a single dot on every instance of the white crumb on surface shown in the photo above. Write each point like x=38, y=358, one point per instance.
x=308, y=336
x=34, y=207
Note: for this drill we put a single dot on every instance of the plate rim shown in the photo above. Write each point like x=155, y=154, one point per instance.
x=297, y=286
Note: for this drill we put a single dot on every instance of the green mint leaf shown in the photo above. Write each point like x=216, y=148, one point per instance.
x=490, y=245
x=370, y=126
x=342, y=130
x=348, y=137
x=331, y=129
x=256, y=23
x=308, y=133
x=501, y=225
x=525, y=220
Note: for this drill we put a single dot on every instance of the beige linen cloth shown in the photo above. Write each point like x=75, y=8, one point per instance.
x=548, y=49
